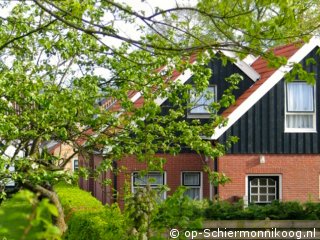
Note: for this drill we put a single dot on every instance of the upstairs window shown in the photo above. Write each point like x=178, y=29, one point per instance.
x=154, y=179
x=201, y=101
x=300, y=107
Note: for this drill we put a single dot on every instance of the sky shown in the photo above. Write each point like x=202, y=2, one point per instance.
x=126, y=29
x=149, y=7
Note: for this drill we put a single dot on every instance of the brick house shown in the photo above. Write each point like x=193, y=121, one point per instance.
x=277, y=156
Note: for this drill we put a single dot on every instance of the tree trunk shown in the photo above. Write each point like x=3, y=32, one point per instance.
x=53, y=197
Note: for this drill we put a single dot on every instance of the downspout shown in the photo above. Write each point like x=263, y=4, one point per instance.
x=115, y=182
x=215, y=169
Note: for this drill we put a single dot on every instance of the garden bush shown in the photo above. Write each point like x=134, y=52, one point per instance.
x=223, y=210
x=87, y=218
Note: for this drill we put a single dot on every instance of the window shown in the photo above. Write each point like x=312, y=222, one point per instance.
x=75, y=164
x=201, y=101
x=154, y=179
x=263, y=189
x=300, y=107
x=192, y=180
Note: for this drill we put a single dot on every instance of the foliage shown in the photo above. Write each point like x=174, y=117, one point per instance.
x=178, y=211
x=141, y=208
x=87, y=218
x=52, y=54
x=223, y=210
x=75, y=199
x=149, y=217
x=24, y=216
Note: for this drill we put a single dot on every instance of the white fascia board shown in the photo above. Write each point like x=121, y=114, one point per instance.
x=266, y=86
x=249, y=59
x=248, y=70
x=243, y=66
x=136, y=97
x=183, y=77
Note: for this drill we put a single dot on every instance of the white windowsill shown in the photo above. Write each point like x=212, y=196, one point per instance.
x=202, y=116
x=300, y=130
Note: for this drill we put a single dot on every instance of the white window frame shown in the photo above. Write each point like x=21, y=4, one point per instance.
x=153, y=187
x=188, y=186
x=247, y=200
x=313, y=113
x=73, y=165
x=204, y=114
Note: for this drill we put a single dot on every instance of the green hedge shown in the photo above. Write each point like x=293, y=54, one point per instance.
x=87, y=218
x=222, y=210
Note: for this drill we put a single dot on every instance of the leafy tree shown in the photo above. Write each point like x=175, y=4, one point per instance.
x=50, y=86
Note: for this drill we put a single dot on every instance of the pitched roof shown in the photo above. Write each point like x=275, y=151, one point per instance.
x=294, y=52
x=182, y=77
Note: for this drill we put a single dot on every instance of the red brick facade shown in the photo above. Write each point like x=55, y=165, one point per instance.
x=299, y=174
x=173, y=168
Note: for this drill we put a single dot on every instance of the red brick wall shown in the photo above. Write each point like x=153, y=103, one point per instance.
x=173, y=168
x=300, y=174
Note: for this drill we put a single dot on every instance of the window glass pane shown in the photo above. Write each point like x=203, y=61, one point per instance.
x=201, y=102
x=299, y=121
x=271, y=198
x=263, y=181
x=254, y=190
x=193, y=193
x=191, y=179
x=139, y=180
x=299, y=97
x=151, y=178
x=254, y=182
x=155, y=178
x=263, y=198
x=254, y=198
x=272, y=190
x=271, y=182
x=263, y=190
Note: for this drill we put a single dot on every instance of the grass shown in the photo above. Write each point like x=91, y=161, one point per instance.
x=14, y=213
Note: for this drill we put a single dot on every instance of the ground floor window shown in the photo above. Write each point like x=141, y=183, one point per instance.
x=193, y=182
x=154, y=179
x=263, y=189
x=75, y=164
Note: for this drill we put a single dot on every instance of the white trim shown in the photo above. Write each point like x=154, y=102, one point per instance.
x=266, y=86
x=201, y=181
x=262, y=175
x=249, y=59
x=243, y=66
x=314, y=114
x=136, y=97
x=183, y=77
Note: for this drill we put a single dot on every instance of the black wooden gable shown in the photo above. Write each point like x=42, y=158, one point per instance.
x=219, y=73
x=261, y=128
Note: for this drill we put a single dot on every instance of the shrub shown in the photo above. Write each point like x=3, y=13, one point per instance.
x=179, y=211
x=87, y=218
x=223, y=210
